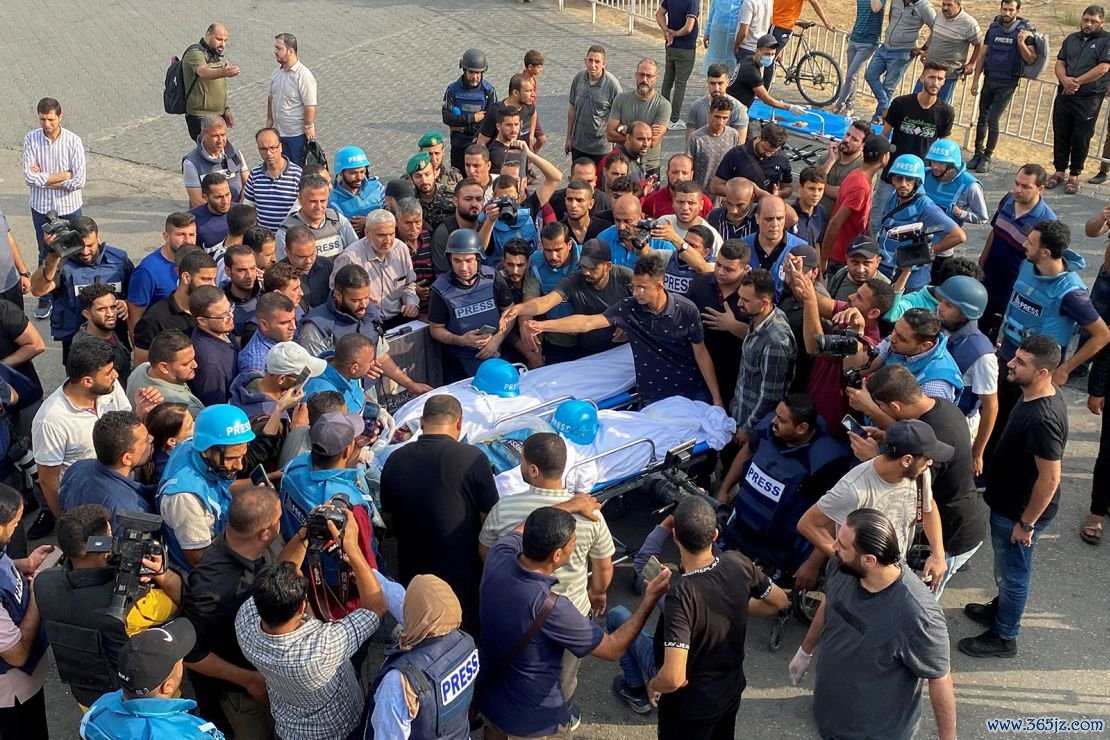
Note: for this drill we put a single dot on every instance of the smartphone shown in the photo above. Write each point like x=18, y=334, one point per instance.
x=652, y=568
x=302, y=378
x=370, y=413
x=487, y=330
x=853, y=426
x=52, y=558
x=260, y=478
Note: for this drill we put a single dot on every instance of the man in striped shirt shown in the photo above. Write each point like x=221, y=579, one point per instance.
x=54, y=170
x=272, y=185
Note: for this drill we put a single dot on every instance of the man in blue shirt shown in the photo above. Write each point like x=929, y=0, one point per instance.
x=627, y=241
x=155, y=277
x=354, y=359
x=678, y=19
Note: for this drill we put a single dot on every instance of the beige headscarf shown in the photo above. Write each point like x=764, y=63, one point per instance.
x=431, y=609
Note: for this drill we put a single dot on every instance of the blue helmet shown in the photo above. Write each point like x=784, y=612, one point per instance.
x=909, y=165
x=465, y=241
x=576, y=420
x=497, y=377
x=947, y=152
x=221, y=425
x=350, y=158
x=965, y=293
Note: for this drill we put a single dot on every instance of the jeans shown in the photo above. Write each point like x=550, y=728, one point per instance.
x=638, y=662
x=884, y=73
x=883, y=191
x=1013, y=567
x=783, y=36
x=947, y=90
x=993, y=99
x=678, y=66
x=720, y=50
x=954, y=563
x=1073, y=125
x=744, y=54
x=293, y=148
x=857, y=54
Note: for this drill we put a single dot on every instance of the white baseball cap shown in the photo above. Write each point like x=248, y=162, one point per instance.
x=289, y=358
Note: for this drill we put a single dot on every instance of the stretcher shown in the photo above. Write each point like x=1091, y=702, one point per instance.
x=818, y=127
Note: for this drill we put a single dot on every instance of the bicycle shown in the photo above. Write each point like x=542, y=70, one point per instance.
x=816, y=73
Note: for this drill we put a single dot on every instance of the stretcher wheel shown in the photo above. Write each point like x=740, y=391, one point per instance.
x=778, y=630
x=818, y=78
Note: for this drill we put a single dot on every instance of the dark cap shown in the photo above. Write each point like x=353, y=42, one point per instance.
x=594, y=252
x=148, y=658
x=875, y=146
x=810, y=260
x=914, y=437
x=398, y=189
x=863, y=244
x=430, y=139
x=333, y=431
x=418, y=162
x=767, y=41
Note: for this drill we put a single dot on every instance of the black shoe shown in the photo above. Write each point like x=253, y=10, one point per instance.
x=636, y=699
x=984, y=165
x=988, y=645
x=1099, y=178
x=42, y=526
x=973, y=163
x=983, y=613
x=42, y=311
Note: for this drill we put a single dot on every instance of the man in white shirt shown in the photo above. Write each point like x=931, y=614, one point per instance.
x=291, y=106
x=755, y=21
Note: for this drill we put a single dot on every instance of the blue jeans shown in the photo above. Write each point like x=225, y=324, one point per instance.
x=857, y=54
x=638, y=662
x=884, y=73
x=293, y=148
x=954, y=563
x=883, y=191
x=1013, y=567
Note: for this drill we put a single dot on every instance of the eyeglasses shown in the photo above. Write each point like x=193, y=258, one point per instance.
x=269, y=148
x=220, y=317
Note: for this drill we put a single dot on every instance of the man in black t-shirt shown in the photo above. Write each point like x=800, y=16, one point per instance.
x=747, y=81
x=699, y=641
x=717, y=297
x=1023, y=493
x=760, y=159
x=1086, y=59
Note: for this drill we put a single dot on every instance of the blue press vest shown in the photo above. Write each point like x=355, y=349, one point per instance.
x=111, y=717
x=764, y=521
x=442, y=671
x=331, y=380
x=524, y=228
x=966, y=346
x=908, y=215
x=230, y=165
x=678, y=275
x=186, y=472
x=1003, y=61
x=15, y=597
x=776, y=268
x=335, y=324
x=939, y=365
x=945, y=194
x=370, y=197
x=549, y=277
x=111, y=267
x=469, y=99
x=1034, y=306
x=468, y=308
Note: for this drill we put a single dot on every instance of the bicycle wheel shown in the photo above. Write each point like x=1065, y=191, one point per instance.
x=818, y=78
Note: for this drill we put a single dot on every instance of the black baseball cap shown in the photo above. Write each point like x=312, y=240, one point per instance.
x=915, y=437
x=767, y=41
x=594, y=252
x=874, y=147
x=810, y=259
x=400, y=189
x=148, y=658
x=863, y=244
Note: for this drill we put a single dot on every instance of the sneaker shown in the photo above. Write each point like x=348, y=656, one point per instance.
x=984, y=165
x=43, y=310
x=42, y=526
x=678, y=125
x=988, y=645
x=636, y=700
x=1099, y=178
x=974, y=161
x=575, y=716
x=983, y=613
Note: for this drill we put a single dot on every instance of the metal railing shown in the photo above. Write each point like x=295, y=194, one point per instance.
x=1027, y=118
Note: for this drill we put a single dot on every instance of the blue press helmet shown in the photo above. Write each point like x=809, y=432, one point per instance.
x=947, y=152
x=350, y=158
x=965, y=293
x=909, y=165
x=497, y=377
x=221, y=425
x=576, y=420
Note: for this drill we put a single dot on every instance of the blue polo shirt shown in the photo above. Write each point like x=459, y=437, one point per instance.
x=624, y=256
x=1003, y=261
x=153, y=279
x=211, y=228
x=662, y=347
x=526, y=699
x=810, y=228
x=331, y=380
x=92, y=482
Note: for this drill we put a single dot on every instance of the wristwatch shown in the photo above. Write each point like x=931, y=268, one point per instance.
x=25, y=274
x=1025, y=527
x=682, y=247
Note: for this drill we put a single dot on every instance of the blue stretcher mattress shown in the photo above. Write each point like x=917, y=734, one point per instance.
x=813, y=122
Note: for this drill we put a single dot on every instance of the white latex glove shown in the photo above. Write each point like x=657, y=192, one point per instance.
x=799, y=666
x=797, y=110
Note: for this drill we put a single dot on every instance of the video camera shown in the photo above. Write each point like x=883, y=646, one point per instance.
x=133, y=543
x=507, y=209
x=917, y=252
x=66, y=240
x=840, y=342
x=318, y=536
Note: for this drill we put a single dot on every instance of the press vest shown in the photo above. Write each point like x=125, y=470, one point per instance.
x=1034, y=306
x=329, y=242
x=1003, y=60
x=230, y=165
x=936, y=364
x=442, y=671
x=335, y=324
x=112, y=267
x=524, y=228
x=370, y=197
x=187, y=473
x=966, y=346
x=945, y=194
x=114, y=718
x=678, y=275
x=15, y=597
x=468, y=308
x=778, y=273
x=549, y=277
x=911, y=213
x=469, y=100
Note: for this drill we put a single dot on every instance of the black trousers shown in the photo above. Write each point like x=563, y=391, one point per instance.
x=721, y=727
x=193, y=122
x=993, y=100
x=26, y=720
x=578, y=154
x=1073, y=125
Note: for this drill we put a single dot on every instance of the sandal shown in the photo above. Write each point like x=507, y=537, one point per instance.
x=1073, y=186
x=1091, y=531
x=1052, y=182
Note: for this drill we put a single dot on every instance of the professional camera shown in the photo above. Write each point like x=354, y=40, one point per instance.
x=839, y=342
x=507, y=209
x=129, y=546
x=647, y=224
x=66, y=240
x=917, y=251
x=318, y=535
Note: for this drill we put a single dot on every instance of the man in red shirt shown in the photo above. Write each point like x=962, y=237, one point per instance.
x=680, y=168
x=852, y=209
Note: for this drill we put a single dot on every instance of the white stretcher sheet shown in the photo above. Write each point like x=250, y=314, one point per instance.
x=668, y=423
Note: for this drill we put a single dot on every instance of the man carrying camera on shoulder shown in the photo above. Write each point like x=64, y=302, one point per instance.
x=312, y=684
x=76, y=600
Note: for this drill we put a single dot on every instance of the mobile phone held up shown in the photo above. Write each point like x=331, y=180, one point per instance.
x=259, y=477
x=853, y=426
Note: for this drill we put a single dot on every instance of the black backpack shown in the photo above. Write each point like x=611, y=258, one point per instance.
x=174, y=93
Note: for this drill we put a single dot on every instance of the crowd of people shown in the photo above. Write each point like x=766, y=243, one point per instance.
x=229, y=548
